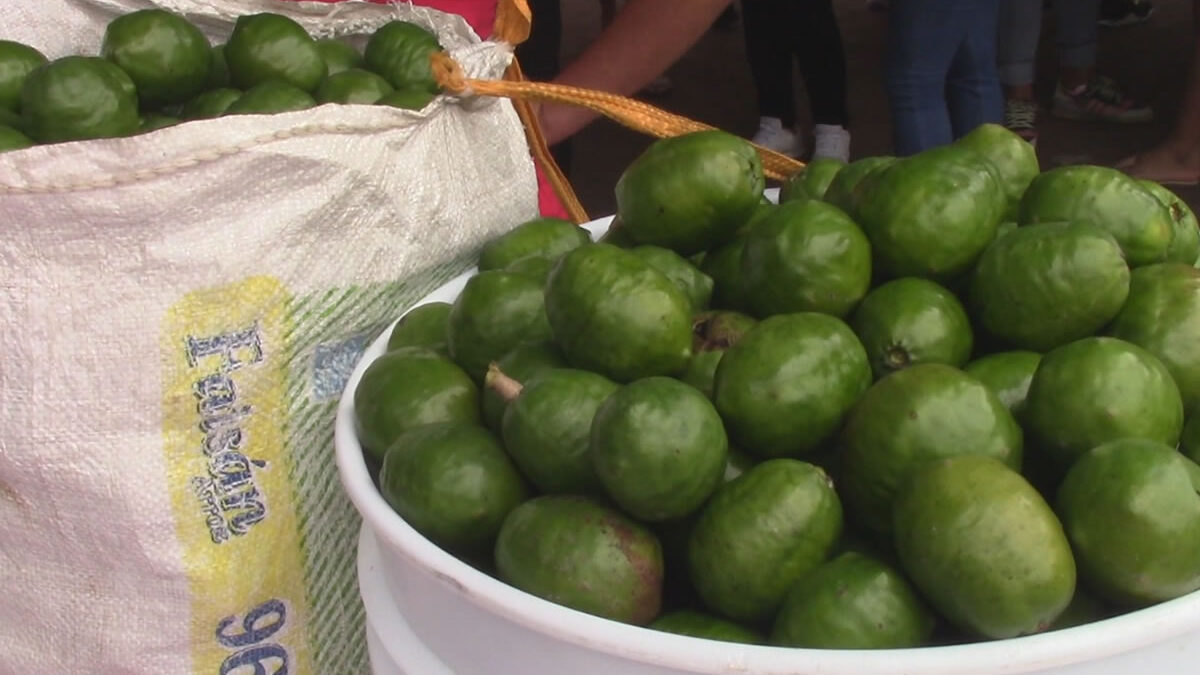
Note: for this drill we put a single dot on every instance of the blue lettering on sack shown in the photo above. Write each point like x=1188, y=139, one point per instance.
x=332, y=365
x=229, y=498
x=254, y=654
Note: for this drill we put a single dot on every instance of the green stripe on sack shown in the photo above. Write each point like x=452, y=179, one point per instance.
x=330, y=329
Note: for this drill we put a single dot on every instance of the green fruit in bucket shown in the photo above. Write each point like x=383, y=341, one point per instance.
x=422, y=326
x=696, y=285
x=1185, y=242
x=520, y=364
x=909, y=321
x=546, y=238
x=1008, y=375
x=701, y=625
x=1013, y=157
x=812, y=181
x=495, y=312
x=713, y=334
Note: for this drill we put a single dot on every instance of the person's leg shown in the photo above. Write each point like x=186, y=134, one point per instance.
x=822, y=61
x=972, y=86
x=540, y=57
x=1018, y=29
x=1080, y=93
x=769, y=55
x=922, y=39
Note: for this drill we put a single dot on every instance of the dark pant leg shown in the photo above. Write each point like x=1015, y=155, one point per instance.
x=817, y=42
x=973, y=85
x=768, y=37
x=923, y=37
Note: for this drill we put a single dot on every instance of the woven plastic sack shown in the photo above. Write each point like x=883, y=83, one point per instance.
x=178, y=314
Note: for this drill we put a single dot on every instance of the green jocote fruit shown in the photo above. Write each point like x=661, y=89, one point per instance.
x=1132, y=514
x=724, y=266
x=165, y=55
x=1096, y=390
x=659, y=448
x=909, y=418
x=1162, y=316
x=1013, y=157
x=17, y=60
x=269, y=47
x=338, y=55
x=77, y=98
x=400, y=51
x=209, y=104
x=495, y=312
x=932, y=214
x=784, y=388
x=805, y=256
x=270, y=98
x=852, y=601
x=546, y=238
x=698, y=624
x=1044, y=285
x=611, y=312
x=547, y=426
x=909, y=321
x=155, y=121
x=983, y=547
x=406, y=388
x=578, y=553
x=1106, y=198
x=689, y=193
x=353, y=86
x=408, y=99
x=696, y=285
x=713, y=334
x=1008, y=375
x=759, y=534
x=1185, y=242
x=11, y=139
x=520, y=364
x=453, y=483
x=218, y=69
x=812, y=181
x=842, y=190
x=422, y=326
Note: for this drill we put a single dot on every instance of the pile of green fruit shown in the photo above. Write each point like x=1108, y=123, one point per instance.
x=921, y=401
x=156, y=69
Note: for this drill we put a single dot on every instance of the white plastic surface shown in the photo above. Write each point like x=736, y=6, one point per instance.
x=448, y=617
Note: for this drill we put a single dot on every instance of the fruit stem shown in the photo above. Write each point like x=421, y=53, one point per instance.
x=502, y=384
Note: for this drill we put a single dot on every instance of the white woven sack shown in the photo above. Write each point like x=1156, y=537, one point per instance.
x=178, y=314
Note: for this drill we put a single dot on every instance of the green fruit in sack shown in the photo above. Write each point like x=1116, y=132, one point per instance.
x=270, y=98
x=17, y=60
x=167, y=57
x=1162, y=316
x=11, y=139
x=408, y=99
x=338, y=56
x=1008, y=375
x=841, y=191
x=912, y=417
x=713, y=334
x=353, y=86
x=1096, y=390
x=1132, y=512
x=784, y=388
x=400, y=51
x=812, y=181
x=520, y=364
x=422, y=326
x=218, y=69
x=1106, y=198
x=547, y=426
x=453, y=483
x=759, y=534
x=1185, y=242
x=575, y=552
x=155, y=121
x=614, y=314
x=269, y=47
x=696, y=285
x=659, y=448
x=805, y=257
x=545, y=238
x=984, y=547
x=689, y=193
x=406, y=388
x=852, y=601
x=1189, y=440
x=1045, y=285
x=909, y=321
x=495, y=312
x=78, y=98
x=209, y=104
x=1013, y=157
x=706, y=626
x=932, y=214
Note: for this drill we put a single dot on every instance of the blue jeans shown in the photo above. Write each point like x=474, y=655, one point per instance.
x=1020, y=28
x=941, y=70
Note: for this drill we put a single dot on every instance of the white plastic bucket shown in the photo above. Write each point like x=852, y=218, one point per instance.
x=431, y=614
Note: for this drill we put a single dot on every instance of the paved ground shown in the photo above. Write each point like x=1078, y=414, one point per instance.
x=712, y=84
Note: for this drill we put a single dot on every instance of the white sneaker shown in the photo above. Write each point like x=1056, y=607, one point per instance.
x=831, y=141
x=773, y=136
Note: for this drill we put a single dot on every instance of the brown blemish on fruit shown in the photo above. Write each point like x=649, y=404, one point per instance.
x=647, y=599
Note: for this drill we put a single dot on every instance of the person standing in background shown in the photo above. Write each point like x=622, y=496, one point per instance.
x=940, y=72
x=1080, y=93
x=806, y=31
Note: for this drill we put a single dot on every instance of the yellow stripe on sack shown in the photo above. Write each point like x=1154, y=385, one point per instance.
x=228, y=472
